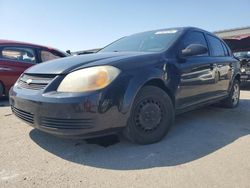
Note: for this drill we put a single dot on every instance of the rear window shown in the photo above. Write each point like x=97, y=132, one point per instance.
x=215, y=46
x=18, y=54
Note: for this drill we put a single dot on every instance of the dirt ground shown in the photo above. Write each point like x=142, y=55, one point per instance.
x=209, y=147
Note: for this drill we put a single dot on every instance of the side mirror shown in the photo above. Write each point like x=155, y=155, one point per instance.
x=194, y=49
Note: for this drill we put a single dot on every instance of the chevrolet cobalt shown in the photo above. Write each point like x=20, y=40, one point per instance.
x=135, y=85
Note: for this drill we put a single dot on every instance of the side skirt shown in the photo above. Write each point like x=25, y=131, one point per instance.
x=199, y=105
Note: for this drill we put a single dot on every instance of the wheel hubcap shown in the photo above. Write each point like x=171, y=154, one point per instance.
x=236, y=94
x=148, y=115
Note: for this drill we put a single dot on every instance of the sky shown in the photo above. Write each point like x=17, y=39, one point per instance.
x=86, y=24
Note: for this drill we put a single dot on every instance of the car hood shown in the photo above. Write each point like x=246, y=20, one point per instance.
x=68, y=64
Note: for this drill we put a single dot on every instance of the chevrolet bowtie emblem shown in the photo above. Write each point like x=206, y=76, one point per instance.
x=28, y=81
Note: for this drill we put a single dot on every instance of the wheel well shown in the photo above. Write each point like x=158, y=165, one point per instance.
x=159, y=83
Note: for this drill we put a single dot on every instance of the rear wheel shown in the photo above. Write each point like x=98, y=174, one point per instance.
x=234, y=96
x=151, y=116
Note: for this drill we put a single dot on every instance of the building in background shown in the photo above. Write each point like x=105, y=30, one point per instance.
x=238, y=39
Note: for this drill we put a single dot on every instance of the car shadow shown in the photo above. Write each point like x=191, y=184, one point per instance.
x=4, y=101
x=194, y=135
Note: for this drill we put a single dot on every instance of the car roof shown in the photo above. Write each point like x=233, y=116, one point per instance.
x=194, y=28
x=12, y=42
x=201, y=30
x=182, y=29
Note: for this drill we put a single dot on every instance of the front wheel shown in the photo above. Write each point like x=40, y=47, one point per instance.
x=234, y=96
x=151, y=116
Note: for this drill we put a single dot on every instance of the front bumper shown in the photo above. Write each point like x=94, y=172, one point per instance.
x=69, y=115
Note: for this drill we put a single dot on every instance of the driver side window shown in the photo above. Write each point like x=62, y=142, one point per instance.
x=194, y=37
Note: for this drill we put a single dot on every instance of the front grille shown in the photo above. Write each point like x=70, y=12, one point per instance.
x=56, y=123
x=34, y=82
x=26, y=116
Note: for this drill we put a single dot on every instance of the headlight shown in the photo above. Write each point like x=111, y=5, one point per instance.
x=88, y=79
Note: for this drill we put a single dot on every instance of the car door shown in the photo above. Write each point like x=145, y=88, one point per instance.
x=14, y=60
x=223, y=62
x=197, y=73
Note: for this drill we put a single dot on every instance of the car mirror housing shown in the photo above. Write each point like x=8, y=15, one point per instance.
x=193, y=50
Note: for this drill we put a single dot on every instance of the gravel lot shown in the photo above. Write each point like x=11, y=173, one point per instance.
x=209, y=147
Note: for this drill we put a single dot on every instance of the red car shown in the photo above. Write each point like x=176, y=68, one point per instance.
x=16, y=57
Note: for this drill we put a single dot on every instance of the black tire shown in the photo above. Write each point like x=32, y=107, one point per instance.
x=151, y=116
x=234, y=96
x=1, y=89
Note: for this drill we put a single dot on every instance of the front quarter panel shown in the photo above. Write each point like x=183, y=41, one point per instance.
x=137, y=78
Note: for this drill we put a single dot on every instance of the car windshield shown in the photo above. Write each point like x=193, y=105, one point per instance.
x=151, y=41
x=242, y=54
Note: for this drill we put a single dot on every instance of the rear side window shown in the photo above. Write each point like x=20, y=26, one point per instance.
x=47, y=55
x=18, y=54
x=215, y=46
x=226, y=52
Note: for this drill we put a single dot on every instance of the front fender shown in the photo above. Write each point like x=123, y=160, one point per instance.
x=136, y=82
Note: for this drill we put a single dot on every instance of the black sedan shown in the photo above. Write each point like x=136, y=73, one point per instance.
x=135, y=85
